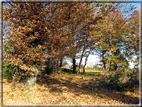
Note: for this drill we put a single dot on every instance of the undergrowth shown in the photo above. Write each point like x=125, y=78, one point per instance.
x=121, y=81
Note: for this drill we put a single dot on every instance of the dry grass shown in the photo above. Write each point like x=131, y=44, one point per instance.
x=66, y=89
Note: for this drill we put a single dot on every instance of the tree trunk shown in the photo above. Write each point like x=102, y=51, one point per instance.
x=31, y=81
x=109, y=57
x=103, y=60
x=108, y=63
x=61, y=63
x=104, y=64
x=48, y=69
x=115, y=66
x=85, y=64
x=80, y=61
x=74, y=66
x=57, y=66
x=86, y=61
x=82, y=55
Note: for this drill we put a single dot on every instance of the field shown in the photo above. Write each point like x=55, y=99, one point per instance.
x=92, y=71
x=86, y=71
x=67, y=88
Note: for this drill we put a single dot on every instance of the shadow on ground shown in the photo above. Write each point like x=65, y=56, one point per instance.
x=76, y=85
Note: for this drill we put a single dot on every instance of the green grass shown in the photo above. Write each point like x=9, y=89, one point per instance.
x=69, y=71
x=92, y=71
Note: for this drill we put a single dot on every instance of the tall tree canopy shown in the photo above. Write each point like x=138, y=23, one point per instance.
x=38, y=32
x=111, y=35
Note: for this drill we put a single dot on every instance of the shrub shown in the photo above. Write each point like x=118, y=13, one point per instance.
x=96, y=67
x=121, y=81
x=64, y=70
x=133, y=78
x=114, y=82
x=9, y=70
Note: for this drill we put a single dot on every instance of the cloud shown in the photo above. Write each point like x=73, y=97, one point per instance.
x=92, y=60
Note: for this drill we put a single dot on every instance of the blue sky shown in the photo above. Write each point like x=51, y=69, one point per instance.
x=137, y=5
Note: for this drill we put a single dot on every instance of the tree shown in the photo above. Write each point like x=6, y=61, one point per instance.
x=111, y=35
x=26, y=35
x=38, y=31
x=33, y=36
x=86, y=39
x=84, y=19
x=132, y=38
x=87, y=55
x=40, y=34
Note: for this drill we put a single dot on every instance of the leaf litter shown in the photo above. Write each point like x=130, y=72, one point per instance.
x=65, y=89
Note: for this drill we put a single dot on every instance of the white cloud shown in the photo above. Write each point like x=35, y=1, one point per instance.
x=92, y=60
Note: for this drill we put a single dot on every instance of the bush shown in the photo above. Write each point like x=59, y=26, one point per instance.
x=114, y=82
x=133, y=78
x=121, y=81
x=96, y=67
x=64, y=70
x=9, y=70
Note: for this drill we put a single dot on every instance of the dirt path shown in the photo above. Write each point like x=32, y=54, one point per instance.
x=66, y=89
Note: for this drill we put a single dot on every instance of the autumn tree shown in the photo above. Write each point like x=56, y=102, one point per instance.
x=85, y=38
x=132, y=38
x=26, y=37
x=39, y=33
x=84, y=16
x=111, y=35
x=42, y=33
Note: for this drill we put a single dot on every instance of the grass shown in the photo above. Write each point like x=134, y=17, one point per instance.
x=69, y=71
x=92, y=71
x=67, y=88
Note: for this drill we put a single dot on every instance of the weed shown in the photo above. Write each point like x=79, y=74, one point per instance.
x=24, y=94
x=36, y=87
x=75, y=102
x=7, y=93
x=11, y=95
x=47, y=92
x=30, y=89
x=33, y=102
x=28, y=100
